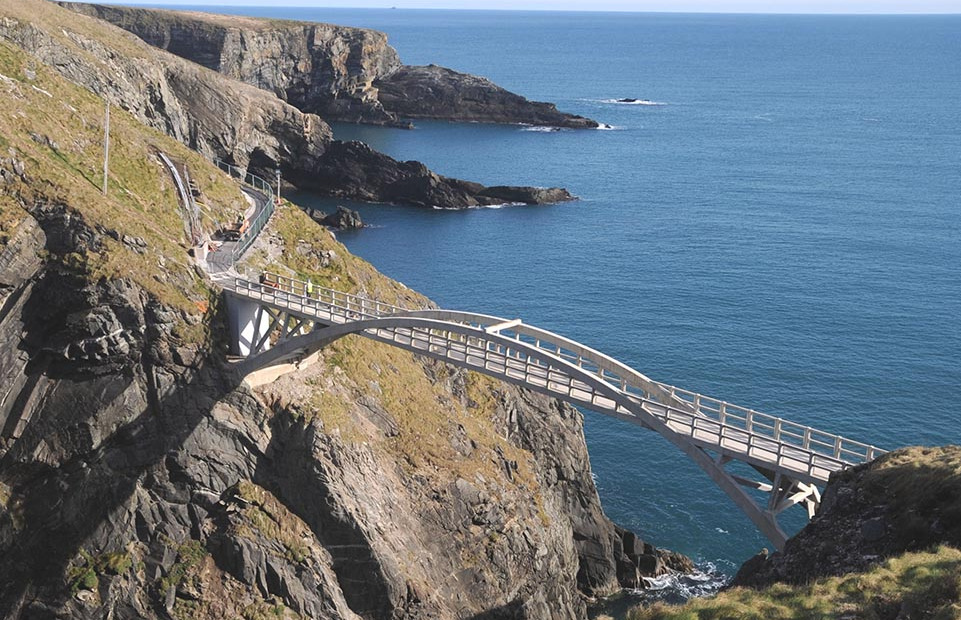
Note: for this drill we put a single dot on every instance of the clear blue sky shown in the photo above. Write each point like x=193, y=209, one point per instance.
x=703, y=6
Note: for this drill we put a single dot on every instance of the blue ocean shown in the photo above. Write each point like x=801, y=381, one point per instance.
x=775, y=222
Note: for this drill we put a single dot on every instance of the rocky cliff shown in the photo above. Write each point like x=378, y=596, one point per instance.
x=141, y=478
x=340, y=73
x=884, y=544
x=907, y=500
x=438, y=92
x=218, y=116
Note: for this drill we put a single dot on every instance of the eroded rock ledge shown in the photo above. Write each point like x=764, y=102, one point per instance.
x=340, y=73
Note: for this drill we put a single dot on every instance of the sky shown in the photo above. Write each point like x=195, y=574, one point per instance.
x=693, y=6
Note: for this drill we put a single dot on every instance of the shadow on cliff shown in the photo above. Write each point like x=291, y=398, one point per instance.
x=289, y=470
x=511, y=611
x=68, y=480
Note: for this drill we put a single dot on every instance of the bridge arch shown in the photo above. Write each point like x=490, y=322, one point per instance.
x=561, y=378
x=292, y=321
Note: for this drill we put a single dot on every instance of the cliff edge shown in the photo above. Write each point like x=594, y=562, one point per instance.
x=337, y=72
x=884, y=544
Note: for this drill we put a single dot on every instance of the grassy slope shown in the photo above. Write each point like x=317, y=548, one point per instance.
x=915, y=585
x=56, y=129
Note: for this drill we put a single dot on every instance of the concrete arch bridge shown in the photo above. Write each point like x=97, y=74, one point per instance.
x=275, y=322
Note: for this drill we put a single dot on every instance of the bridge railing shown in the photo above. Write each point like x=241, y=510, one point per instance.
x=258, y=223
x=297, y=294
x=780, y=430
x=690, y=408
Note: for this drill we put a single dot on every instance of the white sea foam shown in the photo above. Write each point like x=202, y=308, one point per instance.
x=632, y=101
x=704, y=581
x=541, y=129
x=606, y=127
x=499, y=205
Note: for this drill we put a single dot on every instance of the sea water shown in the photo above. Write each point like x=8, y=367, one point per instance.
x=775, y=223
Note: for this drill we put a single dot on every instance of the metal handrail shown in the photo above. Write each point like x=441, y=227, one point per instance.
x=258, y=224
x=684, y=405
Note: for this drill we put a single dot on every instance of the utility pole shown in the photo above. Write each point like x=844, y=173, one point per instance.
x=278, y=185
x=106, y=149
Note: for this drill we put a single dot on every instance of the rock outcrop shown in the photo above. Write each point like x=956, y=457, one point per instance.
x=218, y=116
x=907, y=500
x=436, y=92
x=339, y=73
x=354, y=170
x=341, y=219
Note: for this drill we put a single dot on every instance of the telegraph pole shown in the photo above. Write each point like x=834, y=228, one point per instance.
x=106, y=149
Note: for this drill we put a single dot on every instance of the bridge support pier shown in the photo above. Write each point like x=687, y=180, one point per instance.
x=250, y=324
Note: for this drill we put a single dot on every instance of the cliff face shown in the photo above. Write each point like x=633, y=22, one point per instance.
x=907, y=500
x=320, y=68
x=342, y=74
x=218, y=116
x=140, y=477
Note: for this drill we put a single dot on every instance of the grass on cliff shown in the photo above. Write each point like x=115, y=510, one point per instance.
x=55, y=129
x=265, y=516
x=62, y=23
x=914, y=585
x=919, y=486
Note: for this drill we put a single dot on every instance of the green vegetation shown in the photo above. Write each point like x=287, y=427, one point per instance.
x=264, y=610
x=310, y=252
x=189, y=557
x=914, y=585
x=86, y=571
x=11, y=214
x=83, y=575
x=272, y=521
x=185, y=609
x=919, y=486
x=425, y=415
x=56, y=130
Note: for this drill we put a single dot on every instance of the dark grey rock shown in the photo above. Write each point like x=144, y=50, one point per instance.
x=341, y=219
x=874, y=529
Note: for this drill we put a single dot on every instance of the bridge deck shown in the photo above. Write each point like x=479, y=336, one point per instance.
x=545, y=362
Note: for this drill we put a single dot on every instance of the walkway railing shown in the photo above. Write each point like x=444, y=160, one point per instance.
x=685, y=411
x=261, y=218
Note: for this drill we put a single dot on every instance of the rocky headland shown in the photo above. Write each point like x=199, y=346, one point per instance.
x=339, y=73
x=140, y=477
x=224, y=118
